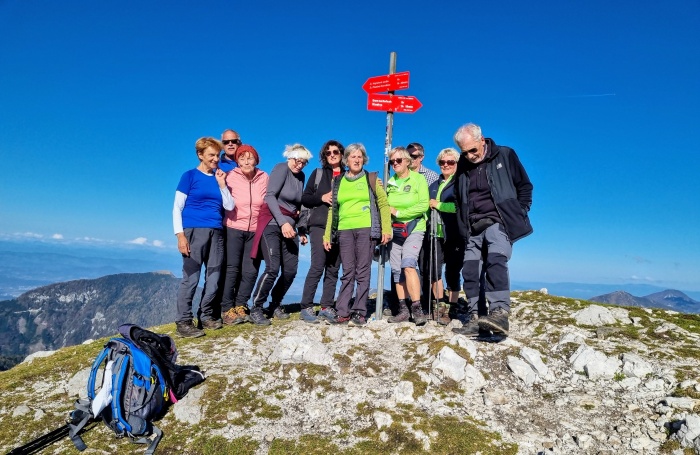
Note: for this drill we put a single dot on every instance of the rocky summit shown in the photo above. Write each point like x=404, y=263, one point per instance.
x=573, y=377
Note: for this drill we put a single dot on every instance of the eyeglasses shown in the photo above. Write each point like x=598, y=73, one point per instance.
x=472, y=150
x=447, y=162
x=332, y=152
x=300, y=161
x=417, y=156
x=396, y=161
x=231, y=141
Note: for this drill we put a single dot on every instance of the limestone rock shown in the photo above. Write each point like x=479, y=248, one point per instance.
x=594, y=315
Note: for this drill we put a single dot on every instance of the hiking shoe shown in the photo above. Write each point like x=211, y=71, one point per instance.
x=340, y=320
x=470, y=326
x=327, y=314
x=211, y=324
x=419, y=317
x=230, y=317
x=257, y=317
x=403, y=315
x=442, y=314
x=387, y=312
x=307, y=315
x=186, y=329
x=279, y=313
x=497, y=322
x=357, y=320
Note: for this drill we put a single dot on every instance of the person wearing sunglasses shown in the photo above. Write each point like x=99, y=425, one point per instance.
x=493, y=195
x=447, y=239
x=316, y=199
x=417, y=152
x=407, y=193
x=200, y=200
x=231, y=141
x=276, y=236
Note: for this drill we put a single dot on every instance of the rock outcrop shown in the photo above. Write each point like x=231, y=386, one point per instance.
x=552, y=387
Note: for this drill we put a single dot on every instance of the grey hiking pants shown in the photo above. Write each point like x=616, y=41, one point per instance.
x=206, y=248
x=491, y=250
x=356, y=250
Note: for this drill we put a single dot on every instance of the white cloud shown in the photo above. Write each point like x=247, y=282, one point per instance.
x=31, y=235
x=158, y=243
x=57, y=236
x=139, y=241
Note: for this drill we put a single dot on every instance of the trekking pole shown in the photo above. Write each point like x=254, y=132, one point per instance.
x=430, y=264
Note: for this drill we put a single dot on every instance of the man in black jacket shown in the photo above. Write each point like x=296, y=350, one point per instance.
x=493, y=197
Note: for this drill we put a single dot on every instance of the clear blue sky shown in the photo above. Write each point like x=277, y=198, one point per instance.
x=101, y=103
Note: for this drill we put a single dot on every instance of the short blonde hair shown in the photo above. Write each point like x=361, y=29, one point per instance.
x=404, y=154
x=297, y=151
x=204, y=143
x=449, y=151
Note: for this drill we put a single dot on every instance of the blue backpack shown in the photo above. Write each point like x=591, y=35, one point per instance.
x=132, y=393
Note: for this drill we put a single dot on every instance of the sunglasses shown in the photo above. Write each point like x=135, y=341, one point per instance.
x=417, y=156
x=332, y=152
x=396, y=161
x=300, y=161
x=473, y=150
x=447, y=162
x=231, y=141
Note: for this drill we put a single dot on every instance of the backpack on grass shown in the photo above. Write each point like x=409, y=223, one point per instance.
x=135, y=375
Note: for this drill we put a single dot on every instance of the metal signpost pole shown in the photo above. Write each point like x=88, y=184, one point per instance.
x=387, y=148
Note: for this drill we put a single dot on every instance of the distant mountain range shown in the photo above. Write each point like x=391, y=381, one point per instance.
x=65, y=314
x=669, y=299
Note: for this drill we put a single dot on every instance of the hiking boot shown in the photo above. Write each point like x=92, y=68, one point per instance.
x=340, y=320
x=307, y=315
x=257, y=317
x=403, y=315
x=357, y=320
x=470, y=326
x=387, y=312
x=279, y=313
x=419, y=317
x=186, y=329
x=211, y=324
x=327, y=314
x=497, y=322
x=230, y=317
x=442, y=315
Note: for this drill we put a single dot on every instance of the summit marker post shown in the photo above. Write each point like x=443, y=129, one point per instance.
x=389, y=103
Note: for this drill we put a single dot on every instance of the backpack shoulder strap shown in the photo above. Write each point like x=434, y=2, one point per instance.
x=319, y=174
x=372, y=178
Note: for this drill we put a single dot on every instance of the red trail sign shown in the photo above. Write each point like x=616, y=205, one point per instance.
x=387, y=83
x=392, y=103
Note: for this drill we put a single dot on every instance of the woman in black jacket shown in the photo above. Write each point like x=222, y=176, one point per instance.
x=317, y=198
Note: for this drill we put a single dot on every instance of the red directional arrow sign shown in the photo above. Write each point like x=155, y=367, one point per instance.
x=392, y=103
x=387, y=83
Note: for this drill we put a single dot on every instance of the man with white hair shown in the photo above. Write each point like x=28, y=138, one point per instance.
x=493, y=197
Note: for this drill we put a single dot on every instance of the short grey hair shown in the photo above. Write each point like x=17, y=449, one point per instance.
x=470, y=129
x=452, y=153
x=352, y=148
x=404, y=154
x=297, y=151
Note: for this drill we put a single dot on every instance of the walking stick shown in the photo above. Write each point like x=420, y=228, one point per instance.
x=430, y=264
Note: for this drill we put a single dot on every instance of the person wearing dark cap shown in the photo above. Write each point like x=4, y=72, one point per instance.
x=231, y=141
x=248, y=186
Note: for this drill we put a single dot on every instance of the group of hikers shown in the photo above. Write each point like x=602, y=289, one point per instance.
x=229, y=216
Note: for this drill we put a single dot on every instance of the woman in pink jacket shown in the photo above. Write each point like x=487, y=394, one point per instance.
x=248, y=186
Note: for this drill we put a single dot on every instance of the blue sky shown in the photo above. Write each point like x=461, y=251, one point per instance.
x=101, y=103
